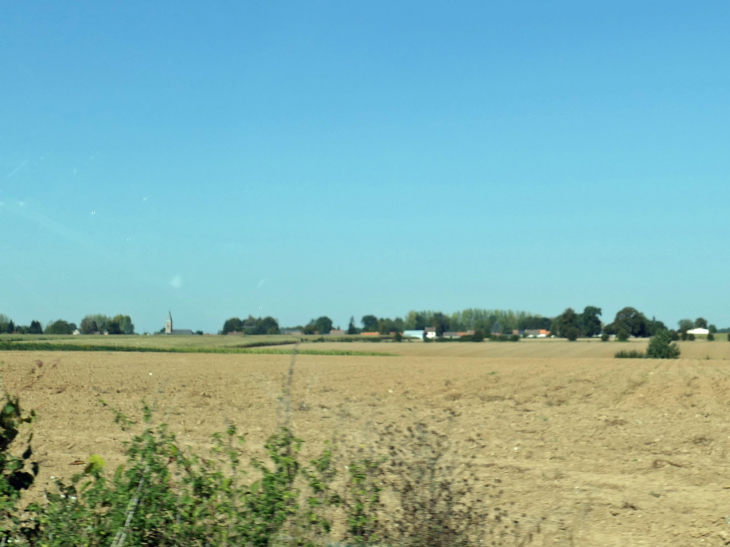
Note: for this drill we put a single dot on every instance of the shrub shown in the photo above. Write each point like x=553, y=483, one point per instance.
x=416, y=492
x=478, y=335
x=572, y=334
x=662, y=347
x=514, y=338
x=630, y=354
x=674, y=334
x=690, y=337
x=605, y=337
x=622, y=335
x=16, y=473
x=710, y=337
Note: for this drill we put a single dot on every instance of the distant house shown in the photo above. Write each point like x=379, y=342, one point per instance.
x=450, y=334
x=170, y=331
x=293, y=332
x=76, y=332
x=537, y=333
x=698, y=331
x=369, y=334
x=467, y=333
x=337, y=332
x=413, y=334
x=430, y=332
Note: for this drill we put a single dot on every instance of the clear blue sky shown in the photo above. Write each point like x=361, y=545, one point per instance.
x=298, y=159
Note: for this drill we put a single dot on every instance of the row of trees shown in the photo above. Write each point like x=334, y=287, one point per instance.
x=628, y=322
x=91, y=324
x=251, y=325
x=570, y=324
x=487, y=321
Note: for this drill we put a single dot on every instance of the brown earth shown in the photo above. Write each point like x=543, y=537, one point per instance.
x=601, y=451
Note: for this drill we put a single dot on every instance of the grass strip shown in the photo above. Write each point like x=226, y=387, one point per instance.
x=46, y=346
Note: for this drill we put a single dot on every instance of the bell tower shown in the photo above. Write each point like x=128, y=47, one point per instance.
x=168, y=324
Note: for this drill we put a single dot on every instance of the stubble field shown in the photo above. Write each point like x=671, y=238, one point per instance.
x=597, y=451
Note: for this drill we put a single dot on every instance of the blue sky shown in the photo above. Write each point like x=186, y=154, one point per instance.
x=298, y=159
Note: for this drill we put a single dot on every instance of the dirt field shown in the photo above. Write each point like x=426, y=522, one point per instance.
x=606, y=451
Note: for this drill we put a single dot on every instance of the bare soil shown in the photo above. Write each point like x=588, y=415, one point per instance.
x=597, y=451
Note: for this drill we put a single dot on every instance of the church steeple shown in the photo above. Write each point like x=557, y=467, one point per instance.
x=168, y=324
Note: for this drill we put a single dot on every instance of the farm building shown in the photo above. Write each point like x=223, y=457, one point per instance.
x=430, y=332
x=698, y=331
x=337, y=332
x=413, y=334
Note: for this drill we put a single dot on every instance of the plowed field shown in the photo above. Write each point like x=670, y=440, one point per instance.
x=601, y=451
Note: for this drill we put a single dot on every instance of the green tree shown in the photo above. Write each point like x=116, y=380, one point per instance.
x=700, y=323
x=267, y=325
x=125, y=324
x=88, y=325
x=632, y=321
x=623, y=335
x=4, y=320
x=685, y=325
x=351, y=328
x=97, y=322
x=35, y=328
x=572, y=333
x=478, y=335
x=386, y=326
x=60, y=327
x=415, y=321
x=234, y=324
x=369, y=323
x=10, y=329
x=323, y=325
x=662, y=347
x=113, y=327
x=568, y=321
x=712, y=329
x=590, y=322
x=441, y=322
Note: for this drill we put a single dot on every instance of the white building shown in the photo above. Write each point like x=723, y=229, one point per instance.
x=413, y=334
x=698, y=331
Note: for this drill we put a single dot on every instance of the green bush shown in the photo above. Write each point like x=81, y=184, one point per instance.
x=605, y=337
x=504, y=338
x=690, y=337
x=710, y=337
x=16, y=473
x=572, y=334
x=622, y=335
x=166, y=495
x=630, y=354
x=662, y=347
x=478, y=336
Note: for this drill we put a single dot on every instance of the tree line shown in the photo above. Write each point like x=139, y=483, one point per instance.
x=628, y=322
x=91, y=324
